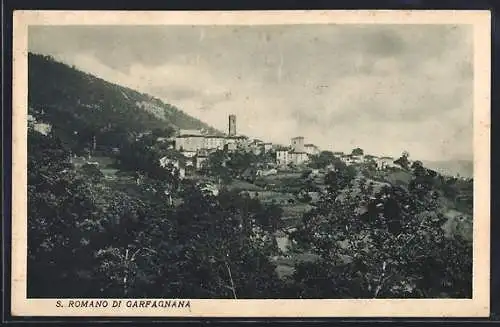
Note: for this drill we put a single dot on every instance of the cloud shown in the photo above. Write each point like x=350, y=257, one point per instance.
x=385, y=88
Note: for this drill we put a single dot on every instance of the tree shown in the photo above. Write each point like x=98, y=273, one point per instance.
x=323, y=159
x=76, y=225
x=62, y=222
x=403, y=160
x=216, y=166
x=223, y=252
x=357, y=152
x=137, y=235
x=163, y=132
x=91, y=172
x=368, y=256
x=241, y=161
x=340, y=178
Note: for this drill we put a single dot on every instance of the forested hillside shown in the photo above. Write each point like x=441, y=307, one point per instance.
x=81, y=106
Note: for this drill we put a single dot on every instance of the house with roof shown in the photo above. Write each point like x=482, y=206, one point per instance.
x=385, y=162
x=311, y=149
x=282, y=158
x=286, y=156
x=267, y=146
x=297, y=157
x=256, y=146
x=175, y=164
x=293, y=154
x=351, y=159
x=200, y=158
x=214, y=142
x=257, y=142
x=189, y=142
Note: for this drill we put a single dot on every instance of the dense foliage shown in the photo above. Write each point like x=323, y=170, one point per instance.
x=395, y=247
x=98, y=241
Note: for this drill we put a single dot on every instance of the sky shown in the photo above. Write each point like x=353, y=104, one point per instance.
x=384, y=88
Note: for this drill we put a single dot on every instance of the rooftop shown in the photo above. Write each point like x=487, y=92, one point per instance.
x=215, y=136
x=190, y=135
x=237, y=137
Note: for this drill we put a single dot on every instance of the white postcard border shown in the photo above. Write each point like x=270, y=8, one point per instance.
x=476, y=307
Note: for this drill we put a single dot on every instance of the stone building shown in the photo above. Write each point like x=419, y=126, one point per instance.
x=297, y=144
x=189, y=141
x=232, y=125
x=311, y=149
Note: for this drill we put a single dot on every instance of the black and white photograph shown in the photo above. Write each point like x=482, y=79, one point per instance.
x=251, y=161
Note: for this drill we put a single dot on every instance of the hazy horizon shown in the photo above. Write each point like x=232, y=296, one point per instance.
x=384, y=88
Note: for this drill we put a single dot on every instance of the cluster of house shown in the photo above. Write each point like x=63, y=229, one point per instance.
x=196, y=145
x=297, y=153
x=381, y=163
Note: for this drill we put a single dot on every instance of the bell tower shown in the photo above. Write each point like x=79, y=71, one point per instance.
x=232, y=125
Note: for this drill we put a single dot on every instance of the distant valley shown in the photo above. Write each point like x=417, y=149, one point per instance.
x=451, y=167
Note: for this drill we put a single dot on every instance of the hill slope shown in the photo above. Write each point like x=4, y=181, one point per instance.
x=74, y=101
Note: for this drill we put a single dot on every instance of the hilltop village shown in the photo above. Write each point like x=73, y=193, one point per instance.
x=197, y=145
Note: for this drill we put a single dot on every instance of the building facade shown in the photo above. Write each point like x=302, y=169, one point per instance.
x=285, y=157
x=385, y=162
x=193, y=140
x=282, y=156
x=190, y=132
x=297, y=158
x=297, y=144
x=189, y=142
x=294, y=154
x=311, y=149
x=267, y=147
x=214, y=142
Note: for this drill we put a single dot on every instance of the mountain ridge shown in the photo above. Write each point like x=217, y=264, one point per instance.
x=74, y=101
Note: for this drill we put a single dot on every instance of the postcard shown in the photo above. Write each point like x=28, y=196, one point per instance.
x=251, y=163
